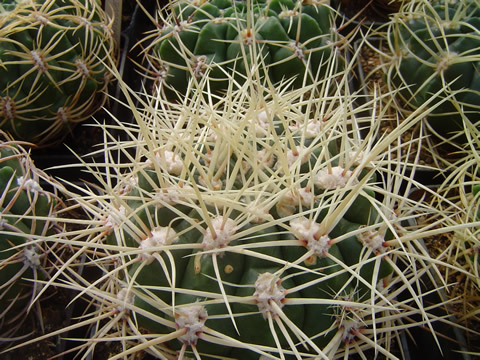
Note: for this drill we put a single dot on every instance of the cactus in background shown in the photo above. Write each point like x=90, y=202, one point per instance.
x=53, y=73
x=28, y=216
x=214, y=39
x=435, y=53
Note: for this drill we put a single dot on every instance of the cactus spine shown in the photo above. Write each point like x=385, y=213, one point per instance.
x=254, y=225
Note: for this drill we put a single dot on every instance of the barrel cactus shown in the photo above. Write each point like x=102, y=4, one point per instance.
x=53, y=66
x=213, y=39
x=28, y=217
x=435, y=54
x=261, y=226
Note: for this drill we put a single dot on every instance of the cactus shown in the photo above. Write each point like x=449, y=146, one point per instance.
x=211, y=215
x=258, y=226
x=214, y=39
x=435, y=54
x=53, y=73
x=27, y=218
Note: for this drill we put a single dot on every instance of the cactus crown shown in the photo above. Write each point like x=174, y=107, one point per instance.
x=268, y=221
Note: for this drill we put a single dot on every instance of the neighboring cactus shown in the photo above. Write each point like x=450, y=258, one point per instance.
x=261, y=226
x=27, y=218
x=435, y=49
x=217, y=38
x=53, y=66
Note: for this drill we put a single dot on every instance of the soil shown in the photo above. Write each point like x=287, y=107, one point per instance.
x=464, y=295
x=368, y=11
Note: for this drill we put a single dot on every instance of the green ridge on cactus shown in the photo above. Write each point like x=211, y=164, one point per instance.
x=206, y=39
x=53, y=57
x=434, y=45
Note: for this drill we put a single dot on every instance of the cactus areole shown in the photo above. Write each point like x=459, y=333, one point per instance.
x=210, y=39
x=437, y=46
x=53, y=57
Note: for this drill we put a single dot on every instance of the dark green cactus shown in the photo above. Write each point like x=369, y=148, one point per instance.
x=211, y=39
x=53, y=73
x=436, y=45
x=27, y=216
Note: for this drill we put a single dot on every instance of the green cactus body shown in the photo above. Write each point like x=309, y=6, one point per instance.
x=27, y=215
x=436, y=45
x=206, y=38
x=53, y=66
x=198, y=274
x=226, y=229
